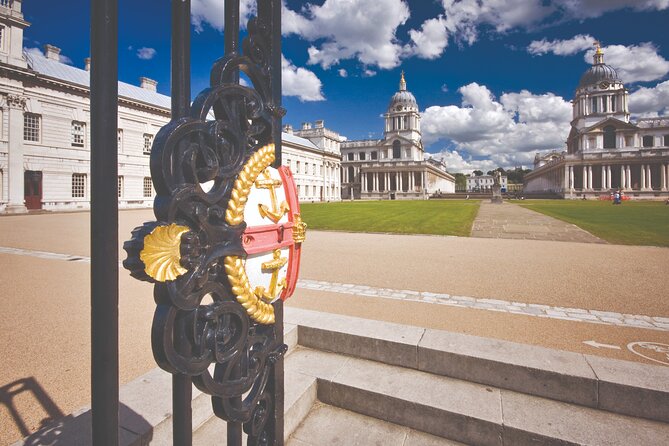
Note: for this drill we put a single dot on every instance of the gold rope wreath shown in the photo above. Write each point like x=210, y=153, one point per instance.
x=259, y=311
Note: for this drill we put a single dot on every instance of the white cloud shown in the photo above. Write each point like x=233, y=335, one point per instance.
x=634, y=63
x=212, y=12
x=583, y=9
x=508, y=131
x=342, y=72
x=650, y=101
x=368, y=73
x=300, y=82
x=459, y=162
x=444, y=88
x=38, y=52
x=347, y=29
x=463, y=17
x=145, y=53
x=430, y=41
x=576, y=44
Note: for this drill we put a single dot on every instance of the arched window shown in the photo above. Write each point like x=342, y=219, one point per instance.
x=397, y=151
x=609, y=137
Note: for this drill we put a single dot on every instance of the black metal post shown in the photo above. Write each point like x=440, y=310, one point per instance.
x=104, y=222
x=270, y=12
x=182, y=385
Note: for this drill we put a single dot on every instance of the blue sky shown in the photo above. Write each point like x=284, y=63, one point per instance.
x=493, y=78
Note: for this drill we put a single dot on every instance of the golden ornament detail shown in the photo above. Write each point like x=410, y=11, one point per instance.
x=259, y=311
x=299, y=229
x=161, y=254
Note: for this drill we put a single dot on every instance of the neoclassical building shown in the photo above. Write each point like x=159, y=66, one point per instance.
x=45, y=132
x=605, y=150
x=393, y=167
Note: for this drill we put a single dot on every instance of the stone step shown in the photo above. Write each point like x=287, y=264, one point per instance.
x=463, y=411
x=622, y=387
x=329, y=425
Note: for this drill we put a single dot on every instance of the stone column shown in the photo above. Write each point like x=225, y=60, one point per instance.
x=609, y=179
x=412, y=181
x=649, y=177
x=663, y=171
x=643, y=177
x=629, y=177
x=622, y=176
x=603, y=177
x=399, y=181
x=571, y=178
x=585, y=178
x=589, y=177
x=16, y=198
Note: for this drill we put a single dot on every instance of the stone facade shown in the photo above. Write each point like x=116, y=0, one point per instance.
x=393, y=167
x=45, y=132
x=605, y=150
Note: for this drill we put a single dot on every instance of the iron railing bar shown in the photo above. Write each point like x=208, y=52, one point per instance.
x=182, y=385
x=269, y=11
x=104, y=223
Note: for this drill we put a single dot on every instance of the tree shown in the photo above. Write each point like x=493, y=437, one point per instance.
x=477, y=173
x=460, y=181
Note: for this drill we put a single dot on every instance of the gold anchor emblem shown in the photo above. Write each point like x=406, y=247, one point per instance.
x=275, y=285
x=277, y=211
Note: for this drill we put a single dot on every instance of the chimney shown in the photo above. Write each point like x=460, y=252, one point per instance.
x=148, y=84
x=52, y=52
x=288, y=129
x=87, y=64
x=319, y=124
x=306, y=126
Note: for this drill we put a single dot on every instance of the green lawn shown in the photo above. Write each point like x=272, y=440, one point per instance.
x=631, y=223
x=441, y=217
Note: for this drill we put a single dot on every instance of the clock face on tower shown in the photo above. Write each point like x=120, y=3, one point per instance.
x=604, y=85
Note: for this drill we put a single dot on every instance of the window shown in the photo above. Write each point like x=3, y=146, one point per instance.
x=648, y=141
x=349, y=156
x=397, y=151
x=306, y=168
x=78, y=133
x=593, y=108
x=148, y=187
x=148, y=142
x=119, y=139
x=3, y=34
x=297, y=167
x=609, y=137
x=31, y=123
x=613, y=103
x=120, y=186
x=666, y=140
x=361, y=155
x=313, y=169
x=375, y=155
x=629, y=141
x=78, y=185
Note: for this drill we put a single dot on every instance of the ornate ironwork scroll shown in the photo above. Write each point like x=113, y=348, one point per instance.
x=203, y=166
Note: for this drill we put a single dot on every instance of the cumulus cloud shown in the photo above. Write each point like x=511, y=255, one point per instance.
x=508, y=131
x=576, y=44
x=460, y=162
x=145, y=53
x=584, y=9
x=430, y=41
x=347, y=29
x=653, y=101
x=342, y=72
x=300, y=82
x=212, y=12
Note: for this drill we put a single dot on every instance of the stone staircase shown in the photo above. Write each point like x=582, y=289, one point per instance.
x=352, y=381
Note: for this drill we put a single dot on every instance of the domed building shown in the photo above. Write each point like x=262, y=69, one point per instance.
x=605, y=151
x=393, y=167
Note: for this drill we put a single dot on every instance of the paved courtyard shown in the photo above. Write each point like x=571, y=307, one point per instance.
x=591, y=298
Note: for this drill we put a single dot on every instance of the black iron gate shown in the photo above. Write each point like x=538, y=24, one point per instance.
x=200, y=318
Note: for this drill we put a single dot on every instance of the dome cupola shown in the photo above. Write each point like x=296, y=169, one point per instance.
x=403, y=100
x=599, y=72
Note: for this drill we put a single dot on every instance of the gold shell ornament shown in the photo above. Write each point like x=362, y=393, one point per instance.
x=161, y=254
